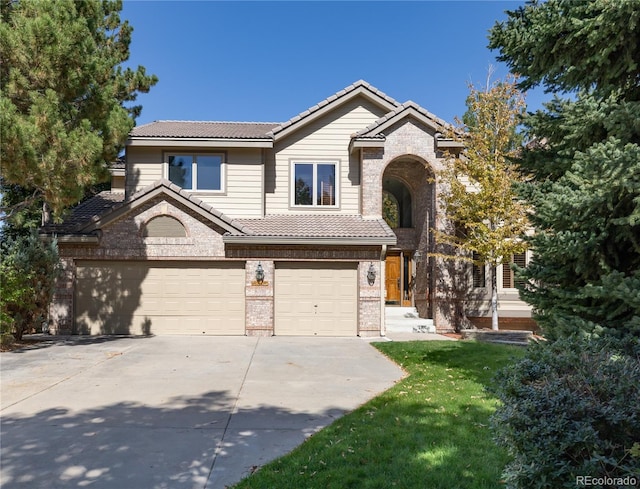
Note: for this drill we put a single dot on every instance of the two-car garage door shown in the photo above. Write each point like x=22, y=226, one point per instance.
x=160, y=298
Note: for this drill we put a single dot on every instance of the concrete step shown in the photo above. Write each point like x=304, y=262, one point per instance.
x=401, y=312
x=406, y=320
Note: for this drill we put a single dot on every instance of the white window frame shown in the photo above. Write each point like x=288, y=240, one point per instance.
x=194, y=170
x=315, y=163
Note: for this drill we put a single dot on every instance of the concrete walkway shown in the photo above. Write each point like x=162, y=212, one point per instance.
x=173, y=412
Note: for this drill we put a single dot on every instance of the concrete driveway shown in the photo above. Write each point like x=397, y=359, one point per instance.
x=173, y=412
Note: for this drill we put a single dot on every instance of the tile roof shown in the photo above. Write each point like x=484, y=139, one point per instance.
x=91, y=208
x=204, y=129
x=309, y=226
x=90, y=213
x=371, y=130
x=118, y=164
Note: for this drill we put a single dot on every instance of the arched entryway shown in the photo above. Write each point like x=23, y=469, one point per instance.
x=408, y=206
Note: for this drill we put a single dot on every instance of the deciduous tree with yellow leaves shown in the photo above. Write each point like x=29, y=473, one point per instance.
x=479, y=199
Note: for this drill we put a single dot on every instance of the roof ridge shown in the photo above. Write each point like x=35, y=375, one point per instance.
x=209, y=122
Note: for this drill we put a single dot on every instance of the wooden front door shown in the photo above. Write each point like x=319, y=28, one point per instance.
x=392, y=279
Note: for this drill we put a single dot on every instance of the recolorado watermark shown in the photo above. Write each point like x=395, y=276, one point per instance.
x=587, y=480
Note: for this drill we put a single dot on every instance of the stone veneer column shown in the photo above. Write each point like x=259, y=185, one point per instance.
x=373, y=164
x=259, y=305
x=370, y=316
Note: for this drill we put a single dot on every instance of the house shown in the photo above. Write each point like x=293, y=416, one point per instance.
x=309, y=227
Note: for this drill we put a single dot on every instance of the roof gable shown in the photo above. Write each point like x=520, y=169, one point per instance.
x=165, y=188
x=406, y=110
x=357, y=89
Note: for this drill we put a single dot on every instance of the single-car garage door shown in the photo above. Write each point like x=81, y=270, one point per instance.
x=316, y=299
x=160, y=298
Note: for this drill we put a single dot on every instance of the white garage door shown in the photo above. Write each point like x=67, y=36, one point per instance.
x=316, y=299
x=160, y=298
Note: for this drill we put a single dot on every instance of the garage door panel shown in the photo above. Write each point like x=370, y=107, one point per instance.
x=316, y=298
x=167, y=298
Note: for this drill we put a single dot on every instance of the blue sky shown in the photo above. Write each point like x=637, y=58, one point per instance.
x=268, y=61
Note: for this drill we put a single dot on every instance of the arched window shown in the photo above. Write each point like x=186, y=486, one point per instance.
x=396, y=204
x=390, y=209
x=164, y=227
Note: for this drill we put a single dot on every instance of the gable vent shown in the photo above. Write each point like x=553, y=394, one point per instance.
x=164, y=227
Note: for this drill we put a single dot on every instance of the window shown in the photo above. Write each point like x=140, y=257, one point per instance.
x=196, y=171
x=509, y=281
x=479, y=276
x=396, y=204
x=314, y=184
x=390, y=209
x=164, y=227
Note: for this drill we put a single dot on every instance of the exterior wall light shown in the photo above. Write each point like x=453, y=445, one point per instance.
x=259, y=273
x=371, y=274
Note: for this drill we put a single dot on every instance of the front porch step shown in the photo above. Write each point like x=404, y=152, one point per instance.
x=406, y=320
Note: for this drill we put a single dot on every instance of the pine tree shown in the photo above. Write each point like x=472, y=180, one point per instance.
x=63, y=95
x=489, y=221
x=585, y=166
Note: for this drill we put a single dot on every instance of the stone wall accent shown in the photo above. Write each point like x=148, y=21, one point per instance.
x=123, y=239
x=259, y=299
x=370, y=317
x=405, y=140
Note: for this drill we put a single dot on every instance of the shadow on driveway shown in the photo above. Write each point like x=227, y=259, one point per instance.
x=173, y=412
x=130, y=445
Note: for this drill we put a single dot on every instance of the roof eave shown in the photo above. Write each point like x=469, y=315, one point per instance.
x=71, y=238
x=448, y=144
x=357, y=143
x=201, y=142
x=308, y=240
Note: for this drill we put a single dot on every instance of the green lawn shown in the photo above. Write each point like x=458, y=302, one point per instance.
x=429, y=431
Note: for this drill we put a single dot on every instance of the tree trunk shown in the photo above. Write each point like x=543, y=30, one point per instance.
x=494, y=297
x=46, y=214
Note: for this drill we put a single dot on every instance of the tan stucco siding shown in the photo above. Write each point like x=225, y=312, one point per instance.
x=326, y=139
x=242, y=177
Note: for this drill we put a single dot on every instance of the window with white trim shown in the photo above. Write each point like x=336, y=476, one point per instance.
x=197, y=172
x=509, y=280
x=314, y=183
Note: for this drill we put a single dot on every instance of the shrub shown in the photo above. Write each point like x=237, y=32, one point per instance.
x=571, y=409
x=28, y=271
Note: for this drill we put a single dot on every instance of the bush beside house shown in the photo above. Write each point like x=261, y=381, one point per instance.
x=29, y=268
